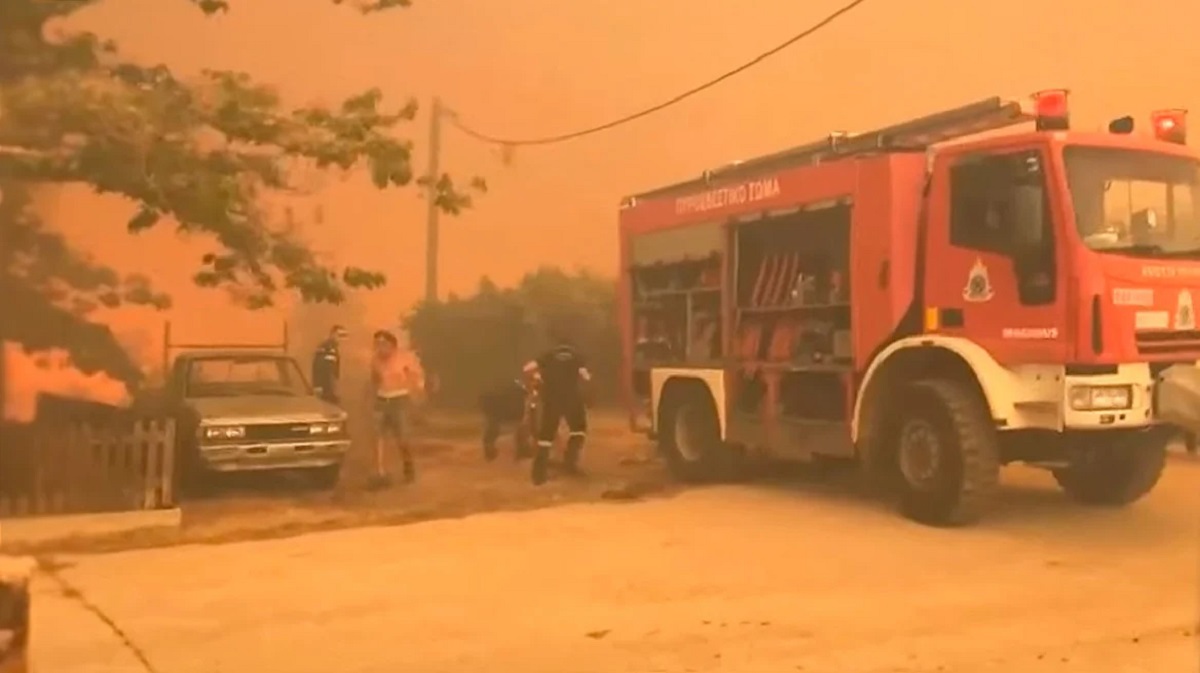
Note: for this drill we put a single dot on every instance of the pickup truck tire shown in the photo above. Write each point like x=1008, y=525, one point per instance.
x=689, y=436
x=324, y=478
x=1117, y=472
x=946, y=453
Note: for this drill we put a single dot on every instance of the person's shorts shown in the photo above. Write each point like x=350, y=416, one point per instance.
x=389, y=415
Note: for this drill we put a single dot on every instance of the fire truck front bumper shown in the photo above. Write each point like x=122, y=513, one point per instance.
x=1134, y=398
x=1123, y=399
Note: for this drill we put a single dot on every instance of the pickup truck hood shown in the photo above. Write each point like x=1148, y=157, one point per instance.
x=264, y=408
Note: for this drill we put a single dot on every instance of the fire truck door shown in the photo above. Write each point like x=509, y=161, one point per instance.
x=992, y=269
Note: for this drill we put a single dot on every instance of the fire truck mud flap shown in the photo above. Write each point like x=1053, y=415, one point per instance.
x=1177, y=397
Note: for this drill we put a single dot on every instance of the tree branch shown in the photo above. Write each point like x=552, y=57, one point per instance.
x=202, y=153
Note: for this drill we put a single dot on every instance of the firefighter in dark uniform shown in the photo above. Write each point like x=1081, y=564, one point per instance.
x=508, y=403
x=327, y=365
x=562, y=373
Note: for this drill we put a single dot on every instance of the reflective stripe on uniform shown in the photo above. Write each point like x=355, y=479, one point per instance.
x=577, y=434
x=545, y=444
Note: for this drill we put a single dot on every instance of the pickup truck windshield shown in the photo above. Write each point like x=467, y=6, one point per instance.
x=1135, y=203
x=235, y=376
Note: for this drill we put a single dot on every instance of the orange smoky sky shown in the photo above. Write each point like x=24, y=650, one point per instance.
x=523, y=68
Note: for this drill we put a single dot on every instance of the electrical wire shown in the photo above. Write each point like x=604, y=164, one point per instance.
x=562, y=137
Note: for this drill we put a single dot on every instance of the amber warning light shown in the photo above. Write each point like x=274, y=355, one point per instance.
x=1170, y=125
x=1050, y=108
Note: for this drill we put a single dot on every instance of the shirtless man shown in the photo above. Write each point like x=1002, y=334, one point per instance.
x=395, y=379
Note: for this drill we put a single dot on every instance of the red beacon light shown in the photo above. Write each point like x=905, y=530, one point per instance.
x=1170, y=125
x=1051, y=111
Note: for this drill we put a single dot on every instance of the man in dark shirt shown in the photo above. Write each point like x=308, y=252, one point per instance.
x=563, y=373
x=506, y=404
x=327, y=365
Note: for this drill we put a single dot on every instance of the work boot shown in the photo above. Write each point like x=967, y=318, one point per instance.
x=410, y=472
x=541, y=464
x=489, y=451
x=571, y=459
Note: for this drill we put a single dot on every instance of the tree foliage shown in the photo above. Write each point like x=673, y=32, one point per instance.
x=200, y=152
x=474, y=342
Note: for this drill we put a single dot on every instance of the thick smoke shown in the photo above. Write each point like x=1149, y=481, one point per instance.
x=31, y=374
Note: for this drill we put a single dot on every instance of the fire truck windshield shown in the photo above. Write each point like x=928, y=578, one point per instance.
x=1135, y=203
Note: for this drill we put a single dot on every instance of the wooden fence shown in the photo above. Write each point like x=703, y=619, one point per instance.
x=78, y=467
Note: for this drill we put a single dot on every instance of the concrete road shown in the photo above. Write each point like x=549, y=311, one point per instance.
x=747, y=579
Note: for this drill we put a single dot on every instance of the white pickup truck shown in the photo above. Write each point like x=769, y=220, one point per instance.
x=238, y=411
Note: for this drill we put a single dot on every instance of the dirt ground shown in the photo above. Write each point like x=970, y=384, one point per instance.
x=453, y=481
x=785, y=575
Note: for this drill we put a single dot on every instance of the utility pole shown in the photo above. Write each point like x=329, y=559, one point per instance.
x=431, y=219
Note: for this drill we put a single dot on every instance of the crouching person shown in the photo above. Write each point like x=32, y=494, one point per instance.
x=507, y=404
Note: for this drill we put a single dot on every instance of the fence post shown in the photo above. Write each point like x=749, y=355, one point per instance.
x=167, y=479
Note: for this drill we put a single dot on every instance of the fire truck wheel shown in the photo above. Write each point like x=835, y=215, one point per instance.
x=691, y=441
x=1118, y=472
x=946, y=454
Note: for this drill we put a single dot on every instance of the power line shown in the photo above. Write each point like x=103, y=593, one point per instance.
x=549, y=140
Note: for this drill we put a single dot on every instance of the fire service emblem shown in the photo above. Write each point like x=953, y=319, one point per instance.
x=1185, y=313
x=979, y=284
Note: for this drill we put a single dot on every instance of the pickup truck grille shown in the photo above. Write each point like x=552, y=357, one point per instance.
x=279, y=431
x=1168, y=343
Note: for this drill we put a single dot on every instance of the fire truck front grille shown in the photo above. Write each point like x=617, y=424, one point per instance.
x=1168, y=343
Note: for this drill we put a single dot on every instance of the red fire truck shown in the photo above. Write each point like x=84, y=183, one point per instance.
x=933, y=299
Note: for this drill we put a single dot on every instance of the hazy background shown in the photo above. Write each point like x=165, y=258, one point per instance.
x=519, y=68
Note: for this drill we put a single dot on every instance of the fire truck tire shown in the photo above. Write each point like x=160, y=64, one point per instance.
x=1118, y=472
x=946, y=452
x=690, y=436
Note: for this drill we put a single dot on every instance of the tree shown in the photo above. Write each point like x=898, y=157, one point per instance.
x=471, y=343
x=200, y=153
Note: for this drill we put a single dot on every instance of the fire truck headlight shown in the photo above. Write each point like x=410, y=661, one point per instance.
x=1101, y=398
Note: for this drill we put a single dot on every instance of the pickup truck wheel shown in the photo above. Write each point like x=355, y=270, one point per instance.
x=324, y=477
x=946, y=454
x=690, y=437
x=1118, y=471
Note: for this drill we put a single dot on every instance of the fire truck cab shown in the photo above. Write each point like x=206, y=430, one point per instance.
x=933, y=299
